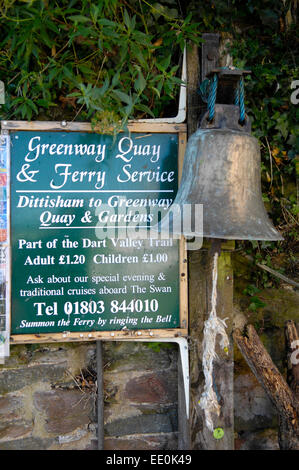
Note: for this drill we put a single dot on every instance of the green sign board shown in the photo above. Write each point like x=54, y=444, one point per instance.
x=83, y=257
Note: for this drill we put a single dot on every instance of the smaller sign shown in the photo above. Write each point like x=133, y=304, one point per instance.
x=4, y=250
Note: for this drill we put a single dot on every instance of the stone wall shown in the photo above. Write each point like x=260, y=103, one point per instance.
x=48, y=397
x=41, y=406
x=140, y=396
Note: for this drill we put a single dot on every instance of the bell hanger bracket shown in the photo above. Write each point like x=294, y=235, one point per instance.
x=226, y=117
x=227, y=86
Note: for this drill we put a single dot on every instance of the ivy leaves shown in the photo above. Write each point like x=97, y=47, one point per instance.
x=107, y=62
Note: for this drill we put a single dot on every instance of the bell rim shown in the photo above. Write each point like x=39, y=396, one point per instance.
x=223, y=236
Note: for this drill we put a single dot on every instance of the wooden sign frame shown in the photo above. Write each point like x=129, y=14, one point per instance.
x=150, y=334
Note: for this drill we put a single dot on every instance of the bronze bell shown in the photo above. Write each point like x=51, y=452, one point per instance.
x=221, y=171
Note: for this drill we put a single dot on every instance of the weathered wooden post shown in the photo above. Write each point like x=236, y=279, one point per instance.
x=200, y=286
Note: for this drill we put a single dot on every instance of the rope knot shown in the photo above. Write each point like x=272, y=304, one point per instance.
x=213, y=326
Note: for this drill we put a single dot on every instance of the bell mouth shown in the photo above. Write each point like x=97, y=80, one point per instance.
x=202, y=221
x=276, y=236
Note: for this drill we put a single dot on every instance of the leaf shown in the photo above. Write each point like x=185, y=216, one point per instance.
x=106, y=22
x=140, y=83
x=282, y=126
x=164, y=63
x=85, y=68
x=256, y=303
x=79, y=19
x=122, y=96
x=137, y=53
x=43, y=103
x=104, y=87
x=32, y=106
x=156, y=91
x=129, y=22
x=146, y=109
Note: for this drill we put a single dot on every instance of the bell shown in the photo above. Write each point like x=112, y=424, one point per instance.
x=221, y=171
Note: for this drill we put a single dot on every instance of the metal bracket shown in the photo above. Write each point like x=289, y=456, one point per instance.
x=226, y=117
x=5, y=257
x=2, y=93
x=228, y=79
x=183, y=345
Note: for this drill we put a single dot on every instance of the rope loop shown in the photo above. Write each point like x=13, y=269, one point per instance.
x=242, y=103
x=239, y=98
x=212, y=97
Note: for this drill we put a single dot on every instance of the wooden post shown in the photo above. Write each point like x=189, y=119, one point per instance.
x=200, y=289
x=200, y=263
x=100, y=386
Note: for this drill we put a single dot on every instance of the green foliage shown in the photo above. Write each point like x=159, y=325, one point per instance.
x=157, y=346
x=255, y=303
x=275, y=123
x=265, y=40
x=104, y=61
